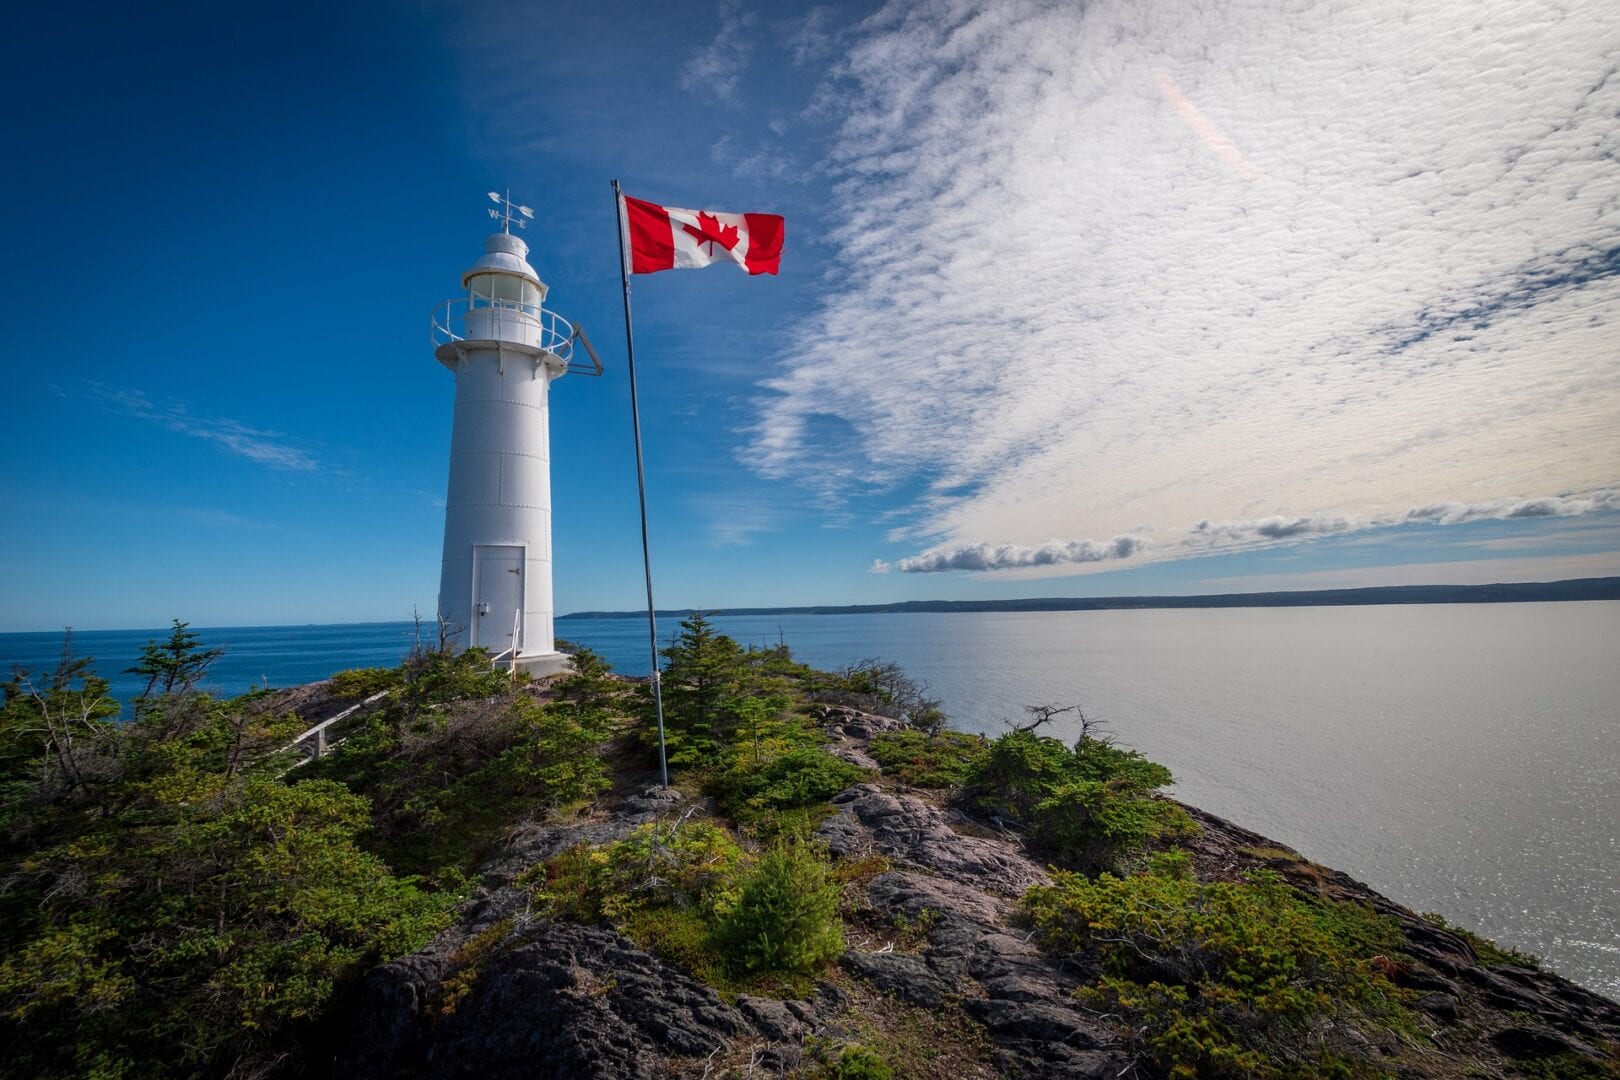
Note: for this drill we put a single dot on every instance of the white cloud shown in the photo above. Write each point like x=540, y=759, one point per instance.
x=1298, y=271
x=269, y=448
x=1015, y=556
x=718, y=68
x=1276, y=529
x=1552, y=506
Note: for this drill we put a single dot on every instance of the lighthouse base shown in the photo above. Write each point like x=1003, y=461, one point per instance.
x=540, y=665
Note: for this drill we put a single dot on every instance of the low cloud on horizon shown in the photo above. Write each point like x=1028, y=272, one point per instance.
x=1207, y=535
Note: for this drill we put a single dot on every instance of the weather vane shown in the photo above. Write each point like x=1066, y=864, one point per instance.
x=504, y=214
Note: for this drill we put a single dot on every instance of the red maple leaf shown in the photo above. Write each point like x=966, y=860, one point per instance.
x=708, y=231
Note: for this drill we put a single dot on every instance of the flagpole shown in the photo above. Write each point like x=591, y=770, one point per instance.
x=641, y=485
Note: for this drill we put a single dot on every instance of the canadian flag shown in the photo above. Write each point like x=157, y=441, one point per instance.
x=669, y=238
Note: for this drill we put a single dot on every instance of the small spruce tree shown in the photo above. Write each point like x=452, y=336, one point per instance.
x=177, y=663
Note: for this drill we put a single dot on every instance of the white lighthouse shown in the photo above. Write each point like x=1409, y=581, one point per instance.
x=505, y=349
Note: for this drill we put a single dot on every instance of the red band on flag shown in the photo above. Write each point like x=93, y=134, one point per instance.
x=652, y=242
x=766, y=232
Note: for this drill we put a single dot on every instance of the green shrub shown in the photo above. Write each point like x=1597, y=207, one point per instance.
x=765, y=788
x=928, y=761
x=225, y=912
x=857, y=1062
x=437, y=678
x=683, y=937
x=1020, y=770
x=687, y=892
x=1226, y=979
x=587, y=684
x=1094, y=825
x=446, y=783
x=688, y=865
x=786, y=916
x=357, y=684
x=1092, y=805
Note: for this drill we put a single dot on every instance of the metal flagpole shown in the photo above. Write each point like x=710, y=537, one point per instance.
x=641, y=485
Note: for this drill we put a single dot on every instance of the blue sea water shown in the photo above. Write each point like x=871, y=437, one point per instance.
x=1463, y=759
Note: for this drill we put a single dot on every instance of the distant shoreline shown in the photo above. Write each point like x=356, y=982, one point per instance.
x=1601, y=588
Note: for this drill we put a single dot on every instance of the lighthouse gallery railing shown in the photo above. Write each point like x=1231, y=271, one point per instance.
x=450, y=322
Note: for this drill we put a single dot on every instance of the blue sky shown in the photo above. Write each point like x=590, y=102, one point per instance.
x=1074, y=302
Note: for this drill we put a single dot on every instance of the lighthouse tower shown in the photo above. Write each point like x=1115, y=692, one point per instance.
x=505, y=349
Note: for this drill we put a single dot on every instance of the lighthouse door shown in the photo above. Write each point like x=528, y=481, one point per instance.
x=497, y=596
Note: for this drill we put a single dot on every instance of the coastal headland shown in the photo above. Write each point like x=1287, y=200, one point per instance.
x=433, y=870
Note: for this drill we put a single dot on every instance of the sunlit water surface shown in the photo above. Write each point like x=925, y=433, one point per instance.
x=1463, y=759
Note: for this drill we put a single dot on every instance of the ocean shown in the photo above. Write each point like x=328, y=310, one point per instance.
x=1463, y=759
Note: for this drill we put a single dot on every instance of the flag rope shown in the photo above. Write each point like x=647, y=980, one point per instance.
x=641, y=484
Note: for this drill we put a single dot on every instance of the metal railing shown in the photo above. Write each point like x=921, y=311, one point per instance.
x=318, y=732
x=556, y=334
x=511, y=653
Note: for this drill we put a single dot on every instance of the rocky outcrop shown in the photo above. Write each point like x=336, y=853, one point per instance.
x=971, y=960
x=916, y=833
x=503, y=993
x=559, y=1001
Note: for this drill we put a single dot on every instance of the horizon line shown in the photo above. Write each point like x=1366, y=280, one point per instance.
x=1563, y=589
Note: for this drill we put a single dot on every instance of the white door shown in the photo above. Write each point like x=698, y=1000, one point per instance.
x=497, y=596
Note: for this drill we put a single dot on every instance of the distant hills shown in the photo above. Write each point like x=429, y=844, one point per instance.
x=1603, y=588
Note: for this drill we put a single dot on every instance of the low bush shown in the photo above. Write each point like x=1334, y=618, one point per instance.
x=446, y=783
x=856, y=1062
x=1095, y=825
x=439, y=677
x=689, y=865
x=691, y=894
x=921, y=760
x=1020, y=769
x=1091, y=805
x=1225, y=979
x=786, y=917
x=588, y=684
x=223, y=914
x=750, y=790
x=356, y=684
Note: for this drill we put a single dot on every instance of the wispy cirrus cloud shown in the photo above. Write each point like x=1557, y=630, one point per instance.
x=1300, y=272
x=719, y=67
x=269, y=448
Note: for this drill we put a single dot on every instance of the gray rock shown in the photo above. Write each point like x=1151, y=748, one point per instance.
x=1439, y=1005
x=654, y=802
x=902, y=892
x=844, y=722
x=771, y=1018
x=1044, y=1022
x=909, y=978
x=916, y=833
x=573, y=1002
x=856, y=756
x=1047, y=1040
x=1538, y=1041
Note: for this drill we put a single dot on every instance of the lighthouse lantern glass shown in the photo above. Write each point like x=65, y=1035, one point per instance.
x=504, y=288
